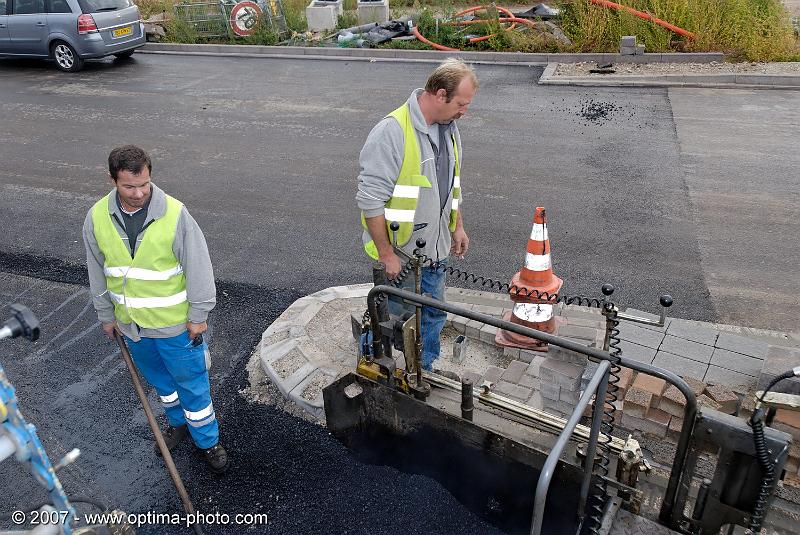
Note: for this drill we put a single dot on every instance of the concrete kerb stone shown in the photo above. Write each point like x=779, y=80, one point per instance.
x=509, y=58
x=723, y=81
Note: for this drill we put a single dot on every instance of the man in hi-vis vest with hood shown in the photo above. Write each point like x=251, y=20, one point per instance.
x=411, y=174
x=151, y=278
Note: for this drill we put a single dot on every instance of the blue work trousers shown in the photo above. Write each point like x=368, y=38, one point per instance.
x=177, y=370
x=433, y=319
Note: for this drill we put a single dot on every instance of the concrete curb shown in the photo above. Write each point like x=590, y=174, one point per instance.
x=379, y=54
x=719, y=81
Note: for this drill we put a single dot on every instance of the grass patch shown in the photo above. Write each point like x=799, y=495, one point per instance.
x=746, y=29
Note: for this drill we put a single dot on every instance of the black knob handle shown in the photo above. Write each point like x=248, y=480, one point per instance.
x=665, y=300
x=607, y=289
x=420, y=243
x=23, y=323
x=394, y=226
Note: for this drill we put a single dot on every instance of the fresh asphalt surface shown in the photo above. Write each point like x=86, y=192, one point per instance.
x=264, y=153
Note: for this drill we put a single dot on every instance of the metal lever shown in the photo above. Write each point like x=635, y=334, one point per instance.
x=394, y=226
x=665, y=301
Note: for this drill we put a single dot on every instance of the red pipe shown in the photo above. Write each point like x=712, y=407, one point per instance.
x=509, y=18
x=645, y=16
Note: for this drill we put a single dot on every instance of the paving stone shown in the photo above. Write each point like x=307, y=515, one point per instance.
x=626, y=376
x=687, y=348
x=535, y=401
x=487, y=333
x=598, y=323
x=459, y=323
x=736, y=362
x=533, y=367
x=550, y=391
x=639, y=335
x=705, y=401
x=569, y=397
x=637, y=402
x=729, y=378
x=513, y=390
x=693, y=332
x=637, y=352
x=697, y=386
x=727, y=400
x=526, y=355
x=631, y=422
x=490, y=310
x=743, y=345
x=561, y=373
x=514, y=371
x=780, y=359
x=588, y=373
x=659, y=421
x=529, y=381
x=511, y=352
x=673, y=401
x=575, y=331
x=674, y=429
x=791, y=418
x=566, y=355
x=676, y=363
x=474, y=377
x=492, y=374
x=648, y=383
x=560, y=408
x=473, y=329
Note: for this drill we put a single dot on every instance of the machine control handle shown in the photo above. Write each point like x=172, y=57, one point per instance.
x=23, y=323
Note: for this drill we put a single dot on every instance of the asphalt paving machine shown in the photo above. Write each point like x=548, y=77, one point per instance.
x=528, y=471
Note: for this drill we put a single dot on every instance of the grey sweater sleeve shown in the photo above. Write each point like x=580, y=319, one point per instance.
x=97, y=279
x=192, y=252
x=380, y=160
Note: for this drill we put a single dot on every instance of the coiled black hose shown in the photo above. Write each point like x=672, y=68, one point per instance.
x=765, y=460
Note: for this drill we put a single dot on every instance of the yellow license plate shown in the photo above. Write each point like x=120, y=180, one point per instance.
x=120, y=32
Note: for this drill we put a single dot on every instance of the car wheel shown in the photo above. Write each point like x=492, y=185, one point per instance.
x=65, y=57
x=124, y=55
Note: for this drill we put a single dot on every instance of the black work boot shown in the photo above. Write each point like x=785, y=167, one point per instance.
x=172, y=437
x=217, y=458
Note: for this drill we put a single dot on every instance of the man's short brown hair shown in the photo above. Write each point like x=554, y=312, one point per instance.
x=448, y=75
x=128, y=158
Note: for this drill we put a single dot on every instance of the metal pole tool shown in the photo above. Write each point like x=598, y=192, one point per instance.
x=162, y=446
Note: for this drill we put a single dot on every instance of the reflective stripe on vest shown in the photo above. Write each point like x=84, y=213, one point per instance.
x=402, y=205
x=149, y=289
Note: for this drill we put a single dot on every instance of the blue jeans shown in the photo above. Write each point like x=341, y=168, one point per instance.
x=433, y=319
x=177, y=370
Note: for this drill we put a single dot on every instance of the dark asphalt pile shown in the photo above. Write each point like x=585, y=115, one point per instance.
x=597, y=112
x=290, y=469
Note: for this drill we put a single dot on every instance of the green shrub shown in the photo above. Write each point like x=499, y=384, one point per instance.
x=179, y=31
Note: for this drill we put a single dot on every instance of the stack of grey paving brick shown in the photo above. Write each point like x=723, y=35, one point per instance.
x=563, y=373
x=629, y=47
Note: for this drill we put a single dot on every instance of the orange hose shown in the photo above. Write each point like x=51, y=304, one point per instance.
x=437, y=46
x=509, y=18
x=645, y=16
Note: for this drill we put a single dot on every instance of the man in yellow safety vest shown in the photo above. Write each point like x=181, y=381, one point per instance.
x=411, y=174
x=151, y=278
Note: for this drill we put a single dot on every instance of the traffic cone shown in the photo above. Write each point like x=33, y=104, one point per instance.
x=530, y=288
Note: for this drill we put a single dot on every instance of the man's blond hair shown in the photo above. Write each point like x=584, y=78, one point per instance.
x=448, y=75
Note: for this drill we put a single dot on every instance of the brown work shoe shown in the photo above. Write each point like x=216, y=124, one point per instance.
x=217, y=458
x=172, y=437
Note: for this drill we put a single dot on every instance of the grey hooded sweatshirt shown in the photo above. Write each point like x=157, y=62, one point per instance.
x=190, y=249
x=381, y=160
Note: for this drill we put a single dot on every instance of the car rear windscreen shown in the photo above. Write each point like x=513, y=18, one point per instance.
x=96, y=6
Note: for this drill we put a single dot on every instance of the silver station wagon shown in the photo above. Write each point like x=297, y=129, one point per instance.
x=69, y=31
